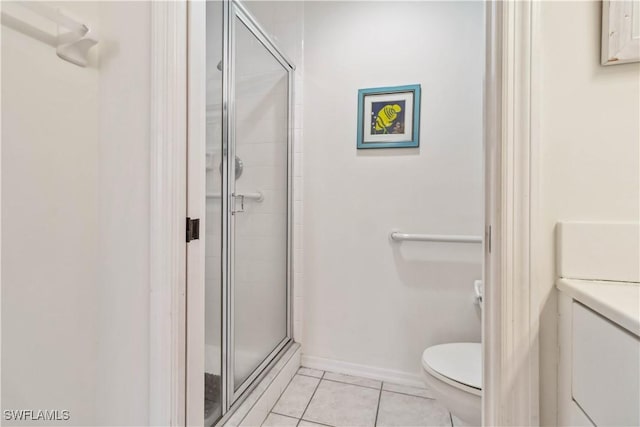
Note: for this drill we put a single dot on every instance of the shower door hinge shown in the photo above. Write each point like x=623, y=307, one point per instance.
x=193, y=229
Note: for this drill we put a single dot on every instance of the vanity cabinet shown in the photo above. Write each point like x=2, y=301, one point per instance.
x=599, y=346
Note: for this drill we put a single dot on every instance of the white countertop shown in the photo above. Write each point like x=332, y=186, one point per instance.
x=617, y=301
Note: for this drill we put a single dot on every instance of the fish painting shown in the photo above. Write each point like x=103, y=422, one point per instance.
x=389, y=117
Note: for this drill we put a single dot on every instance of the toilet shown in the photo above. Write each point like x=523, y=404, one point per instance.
x=453, y=372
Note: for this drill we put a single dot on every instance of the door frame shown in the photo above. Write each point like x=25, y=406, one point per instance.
x=510, y=325
x=167, y=203
x=511, y=305
x=196, y=206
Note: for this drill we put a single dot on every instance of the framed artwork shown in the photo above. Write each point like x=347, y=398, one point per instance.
x=389, y=117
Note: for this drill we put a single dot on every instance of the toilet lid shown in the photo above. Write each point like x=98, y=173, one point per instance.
x=460, y=362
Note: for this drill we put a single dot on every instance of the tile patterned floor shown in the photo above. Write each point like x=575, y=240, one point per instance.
x=316, y=398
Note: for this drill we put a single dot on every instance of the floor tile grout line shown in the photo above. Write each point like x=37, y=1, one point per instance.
x=322, y=378
x=357, y=385
x=282, y=392
x=283, y=415
x=307, y=375
x=313, y=394
x=375, y=422
x=407, y=394
x=369, y=387
x=365, y=378
x=315, y=422
x=311, y=369
x=372, y=388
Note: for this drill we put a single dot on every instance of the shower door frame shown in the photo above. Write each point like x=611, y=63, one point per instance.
x=236, y=10
x=196, y=208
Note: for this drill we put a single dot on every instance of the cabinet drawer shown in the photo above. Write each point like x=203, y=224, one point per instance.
x=606, y=369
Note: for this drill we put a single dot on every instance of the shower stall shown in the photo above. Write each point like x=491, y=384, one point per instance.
x=246, y=229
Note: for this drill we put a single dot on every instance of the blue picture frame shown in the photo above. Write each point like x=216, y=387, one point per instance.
x=389, y=117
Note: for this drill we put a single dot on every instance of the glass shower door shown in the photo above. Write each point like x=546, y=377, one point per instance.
x=260, y=212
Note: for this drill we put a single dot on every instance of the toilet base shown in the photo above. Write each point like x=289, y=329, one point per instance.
x=464, y=405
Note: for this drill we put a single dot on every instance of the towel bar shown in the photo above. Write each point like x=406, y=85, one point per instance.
x=399, y=237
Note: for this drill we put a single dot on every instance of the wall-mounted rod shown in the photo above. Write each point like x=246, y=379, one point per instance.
x=52, y=14
x=72, y=41
x=257, y=196
x=399, y=237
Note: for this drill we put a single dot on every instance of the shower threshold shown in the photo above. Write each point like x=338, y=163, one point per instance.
x=252, y=408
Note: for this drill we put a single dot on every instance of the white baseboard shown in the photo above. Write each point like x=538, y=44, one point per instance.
x=364, y=371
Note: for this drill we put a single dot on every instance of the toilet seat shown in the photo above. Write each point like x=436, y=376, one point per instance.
x=457, y=364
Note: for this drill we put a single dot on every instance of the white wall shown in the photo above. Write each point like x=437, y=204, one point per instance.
x=75, y=220
x=123, y=206
x=590, y=148
x=369, y=301
x=49, y=225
